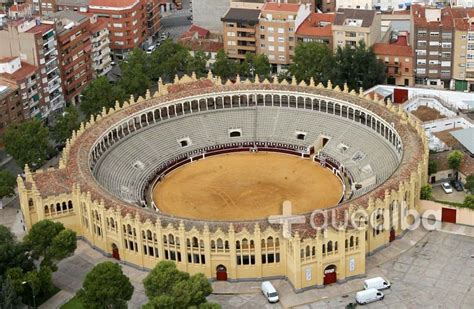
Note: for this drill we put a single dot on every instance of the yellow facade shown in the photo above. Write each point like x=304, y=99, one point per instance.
x=241, y=253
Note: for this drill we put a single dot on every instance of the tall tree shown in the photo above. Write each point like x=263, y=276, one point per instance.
x=27, y=142
x=106, y=286
x=223, y=66
x=136, y=73
x=167, y=287
x=454, y=160
x=314, y=60
x=197, y=63
x=98, y=94
x=358, y=67
x=7, y=184
x=470, y=183
x=65, y=123
x=8, y=296
x=50, y=241
x=261, y=66
x=171, y=59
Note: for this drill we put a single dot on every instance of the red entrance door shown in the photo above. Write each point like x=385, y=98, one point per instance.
x=115, y=252
x=330, y=275
x=221, y=273
x=448, y=215
x=392, y=235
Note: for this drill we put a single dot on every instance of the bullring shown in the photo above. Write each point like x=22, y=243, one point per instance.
x=103, y=188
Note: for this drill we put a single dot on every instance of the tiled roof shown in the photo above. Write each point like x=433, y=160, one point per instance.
x=392, y=50
x=312, y=25
x=25, y=71
x=193, y=30
x=204, y=45
x=281, y=7
x=113, y=3
x=367, y=16
x=40, y=28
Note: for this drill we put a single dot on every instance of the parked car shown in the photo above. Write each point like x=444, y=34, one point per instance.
x=150, y=49
x=269, y=291
x=457, y=184
x=368, y=296
x=447, y=188
x=378, y=283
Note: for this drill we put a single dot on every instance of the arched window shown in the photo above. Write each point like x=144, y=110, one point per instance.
x=329, y=246
x=351, y=243
x=308, y=252
x=149, y=235
x=219, y=243
x=324, y=249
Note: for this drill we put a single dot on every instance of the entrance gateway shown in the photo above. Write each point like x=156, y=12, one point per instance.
x=330, y=275
x=221, y=273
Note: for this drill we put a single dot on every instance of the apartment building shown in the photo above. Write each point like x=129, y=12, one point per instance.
x=398, y=59
x=353, y=25
x=100, y=53
x=381, y=5
x=276, y=32
x=153, y=17
x=433, y=41
x=470, y=51
x=240, y=28
x=126, y=22
x=43, y=7
x=317, y=28
x=35, y=43
x=81, y=6
x=74, y=46
x=10, y=104
x=26, y=79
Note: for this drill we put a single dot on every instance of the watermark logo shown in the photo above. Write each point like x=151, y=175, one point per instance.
x=287, y=219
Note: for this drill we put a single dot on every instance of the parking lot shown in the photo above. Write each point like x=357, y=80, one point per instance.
x=438, y=272
x=440, y=195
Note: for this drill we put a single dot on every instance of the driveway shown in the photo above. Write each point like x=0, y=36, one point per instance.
x=439, y=195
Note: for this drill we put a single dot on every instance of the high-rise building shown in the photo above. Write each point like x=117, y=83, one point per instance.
x=10, y=104
x=74, y=46
x=126, y=22
x=433, y=41
x=101, y=59
x=351, y=26
x=278, y=23
x=35, y=44
x=240, y=28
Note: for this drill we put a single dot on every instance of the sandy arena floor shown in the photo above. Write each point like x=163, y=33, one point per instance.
x=246, y=186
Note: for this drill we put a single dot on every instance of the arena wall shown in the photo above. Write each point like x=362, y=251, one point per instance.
x=306, y=259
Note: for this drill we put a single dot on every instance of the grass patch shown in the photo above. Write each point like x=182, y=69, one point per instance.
x=73, y=303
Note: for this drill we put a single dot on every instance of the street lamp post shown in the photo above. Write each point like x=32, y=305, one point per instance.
x=33, y=292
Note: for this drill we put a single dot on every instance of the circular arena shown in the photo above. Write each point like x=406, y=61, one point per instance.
x=225, y=180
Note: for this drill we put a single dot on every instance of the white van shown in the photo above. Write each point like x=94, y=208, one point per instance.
x=368, y=296
x=269, y=292
x=378, y=283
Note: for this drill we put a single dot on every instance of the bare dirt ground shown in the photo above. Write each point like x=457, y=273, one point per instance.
x=425, y=113
x=246, y=186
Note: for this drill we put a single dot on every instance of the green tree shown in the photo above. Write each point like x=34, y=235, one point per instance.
x=98, y=94
x=432, y=167
x=224, y=67
x=167, y=287
x=51, y=241
x=197, y=63
x=162, y=278
x=245, y=66
x=67, y=122
x=469, y=201
x=136, y=73
x=426, y=192
x=27, y=142
x=262, y=66
x=171, y=59
x=314, y=60
x=7, y=184
x=8, y=297
x=358, y=67
x=106, y=286
x=470, y=183
x=454, y=160
x=12, y=254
